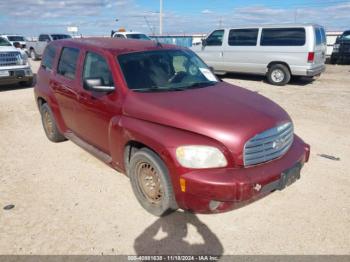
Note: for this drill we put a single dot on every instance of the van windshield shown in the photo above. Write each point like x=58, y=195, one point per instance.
x=165, y=70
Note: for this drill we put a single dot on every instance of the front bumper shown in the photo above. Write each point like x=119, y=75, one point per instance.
x=13, y=76
x=235, y=187
x=315, y=71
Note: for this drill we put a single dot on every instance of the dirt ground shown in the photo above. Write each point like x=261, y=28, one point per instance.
x=68, y=202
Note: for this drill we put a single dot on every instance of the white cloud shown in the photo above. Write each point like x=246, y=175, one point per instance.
x=206, y=11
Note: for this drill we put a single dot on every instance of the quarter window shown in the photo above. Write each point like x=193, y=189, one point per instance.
x=283, y=37
x=96, y=66
x=243, y=37
x=68, y=62
x=49, y=56
x=215, y=39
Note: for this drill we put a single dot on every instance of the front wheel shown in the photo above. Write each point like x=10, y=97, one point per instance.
x=278, y=75
x=151, y=183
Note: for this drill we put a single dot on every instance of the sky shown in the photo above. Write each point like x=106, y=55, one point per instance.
x=98, y=17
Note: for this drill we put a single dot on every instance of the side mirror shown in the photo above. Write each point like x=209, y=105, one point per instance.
x=204, y=42
x=96, y=85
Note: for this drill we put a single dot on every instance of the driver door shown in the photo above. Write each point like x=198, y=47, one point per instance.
x=212, y=50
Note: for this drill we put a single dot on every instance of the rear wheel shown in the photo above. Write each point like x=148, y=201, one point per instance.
x=49, y=124
x=151, y=184
x=278, y=75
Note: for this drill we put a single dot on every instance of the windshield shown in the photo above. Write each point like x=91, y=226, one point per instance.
x=138, y=36
x=346, y=36
x=4, y=42
x=16, y=38
x=58, y=37
x=165, y=70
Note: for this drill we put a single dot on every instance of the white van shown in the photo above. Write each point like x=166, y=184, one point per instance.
x=277, y=51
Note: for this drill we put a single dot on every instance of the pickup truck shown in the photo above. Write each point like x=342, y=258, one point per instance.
x=14, y=65
x=341, y=49
x=36, y=48
x=158, y=114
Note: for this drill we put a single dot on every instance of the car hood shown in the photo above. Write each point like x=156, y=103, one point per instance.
x=227, y=113
x=7, y=49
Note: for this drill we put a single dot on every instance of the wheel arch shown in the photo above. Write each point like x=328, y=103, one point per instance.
x=276, y=63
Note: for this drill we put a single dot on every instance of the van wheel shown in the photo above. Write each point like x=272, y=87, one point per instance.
x=49, y=124
x=151, y=184
x=33, y=55
x=278, y=75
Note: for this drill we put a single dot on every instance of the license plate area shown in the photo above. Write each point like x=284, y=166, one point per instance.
x=289, y=176
x=4, y=73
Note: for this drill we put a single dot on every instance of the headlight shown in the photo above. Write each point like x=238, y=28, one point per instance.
x=200, y=157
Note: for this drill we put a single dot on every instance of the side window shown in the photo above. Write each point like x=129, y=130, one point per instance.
x=121, y=36
x=215, y=38
x=49, y=56
x=68, y=62
x=283, y=37
x=96, y=66
x=243, y=37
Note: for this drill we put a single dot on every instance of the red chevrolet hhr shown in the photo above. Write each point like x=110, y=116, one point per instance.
x=158, y=114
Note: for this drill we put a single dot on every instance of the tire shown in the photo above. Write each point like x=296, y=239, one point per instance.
x=49, y=124
x=28, y=83
x=33, y=55
x=278, y=75
x=147, y=167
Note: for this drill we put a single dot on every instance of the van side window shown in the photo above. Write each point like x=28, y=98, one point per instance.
x=96, y=66
x=215, y=39
x=283, y=37
x=48, y=57
x=243, y=37
x=68, y=62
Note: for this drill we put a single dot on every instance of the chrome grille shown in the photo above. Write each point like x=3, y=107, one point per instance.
x=10, y=58
x=268, y=145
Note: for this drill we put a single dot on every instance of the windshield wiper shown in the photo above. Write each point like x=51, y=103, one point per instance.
x=201, y=84
x=158, y=89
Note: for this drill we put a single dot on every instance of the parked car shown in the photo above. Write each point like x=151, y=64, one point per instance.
x=14, y=65
x=130, y=35
x=15, y=39
x=341, y=49
x=159, y=115
x=278, y=52
x=36, y=48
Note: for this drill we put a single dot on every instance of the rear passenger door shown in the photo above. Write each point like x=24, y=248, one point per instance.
x=64, y=85
x=240, y=52
x=211, y=51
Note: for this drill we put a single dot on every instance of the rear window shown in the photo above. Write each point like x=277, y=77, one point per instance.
x=49, y=56
x=68, y=62
x=283, y=37
x=243, y=37
x=320, y=36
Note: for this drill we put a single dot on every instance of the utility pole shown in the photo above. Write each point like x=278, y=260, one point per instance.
x=160, y=17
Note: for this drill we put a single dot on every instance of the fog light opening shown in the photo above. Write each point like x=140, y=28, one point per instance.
x=214, y=205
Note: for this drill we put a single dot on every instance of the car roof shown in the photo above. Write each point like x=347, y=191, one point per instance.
x=115, y=45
